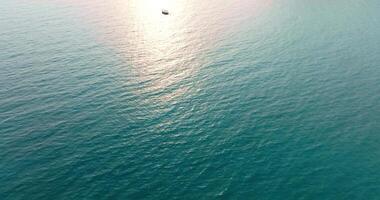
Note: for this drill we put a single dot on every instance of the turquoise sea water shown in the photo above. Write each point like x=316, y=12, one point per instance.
x=251, y=99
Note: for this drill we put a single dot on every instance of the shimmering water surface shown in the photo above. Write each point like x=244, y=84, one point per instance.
x=250, y=99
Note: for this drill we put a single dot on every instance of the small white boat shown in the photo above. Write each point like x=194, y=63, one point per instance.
x=165, y=12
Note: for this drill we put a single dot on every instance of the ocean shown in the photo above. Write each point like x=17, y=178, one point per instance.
x=220, y=99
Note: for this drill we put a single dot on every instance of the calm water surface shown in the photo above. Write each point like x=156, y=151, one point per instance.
x=250, y=99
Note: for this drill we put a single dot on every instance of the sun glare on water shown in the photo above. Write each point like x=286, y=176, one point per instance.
x=164, y=51
x=159, y=47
